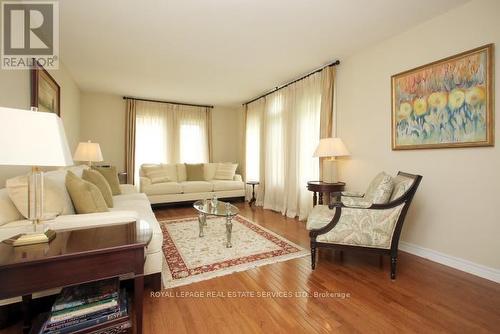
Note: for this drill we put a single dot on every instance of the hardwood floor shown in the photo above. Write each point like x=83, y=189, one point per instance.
x=426, y=297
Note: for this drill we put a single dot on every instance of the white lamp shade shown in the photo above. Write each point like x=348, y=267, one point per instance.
x=331, y=147
x=30, y=138
x=88, y=151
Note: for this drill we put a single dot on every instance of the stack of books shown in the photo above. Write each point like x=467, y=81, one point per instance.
x=97, y=305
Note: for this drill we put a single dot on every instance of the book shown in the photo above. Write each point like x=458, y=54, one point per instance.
x=86, y=293
x=75, y=320
x=84, y=310
x=122, y=312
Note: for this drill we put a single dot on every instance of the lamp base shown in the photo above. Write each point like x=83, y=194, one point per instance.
x=330, y=171
x=31, y=238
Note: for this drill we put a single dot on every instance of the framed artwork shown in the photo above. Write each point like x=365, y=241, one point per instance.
x=447, y=103
x=45, y=92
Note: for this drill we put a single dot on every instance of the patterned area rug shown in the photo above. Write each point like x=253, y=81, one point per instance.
x=190, y=258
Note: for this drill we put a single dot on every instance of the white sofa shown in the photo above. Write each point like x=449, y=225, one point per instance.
x=129, y=206
x=181, y=190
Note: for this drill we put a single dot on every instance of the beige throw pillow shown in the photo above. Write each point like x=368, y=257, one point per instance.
x=86, y=197
x=195, y=172
x=157, y=174
x=53, y=198
x=225, y=171
x=100, y=182
x=111, y=176
x=8, y=211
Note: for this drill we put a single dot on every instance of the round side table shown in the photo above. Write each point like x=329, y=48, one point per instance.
x=323, y=187
x=253, y=184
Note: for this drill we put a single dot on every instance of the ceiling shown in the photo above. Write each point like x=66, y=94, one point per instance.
x=220, y=52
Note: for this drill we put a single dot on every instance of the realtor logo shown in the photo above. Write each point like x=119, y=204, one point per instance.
x=30, y=33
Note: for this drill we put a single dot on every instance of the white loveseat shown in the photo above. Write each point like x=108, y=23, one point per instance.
x=129, y=206
x=180, y=190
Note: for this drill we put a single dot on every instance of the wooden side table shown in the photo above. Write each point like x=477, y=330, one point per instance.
x=73, y=257
x=322, y=188
x=253, y=184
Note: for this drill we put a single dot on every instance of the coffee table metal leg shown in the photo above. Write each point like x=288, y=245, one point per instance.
x=229, y=230
x=202, y=221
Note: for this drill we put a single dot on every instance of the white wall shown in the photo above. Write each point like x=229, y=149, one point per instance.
x=15, y=93
x=456, y=209
x=103, y=121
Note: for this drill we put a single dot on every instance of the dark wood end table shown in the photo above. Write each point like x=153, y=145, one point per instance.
x=324, y=187
x=73, y=257
x=253, y=184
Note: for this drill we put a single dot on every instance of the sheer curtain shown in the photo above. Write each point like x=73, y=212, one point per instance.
x=287, y=124
x=170, y=133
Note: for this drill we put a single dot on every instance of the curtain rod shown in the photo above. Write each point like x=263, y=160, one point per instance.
x=335, y=63
x=160, y=101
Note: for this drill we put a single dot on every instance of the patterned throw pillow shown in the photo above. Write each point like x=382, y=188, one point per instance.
x=225, y=171
x=380, y=189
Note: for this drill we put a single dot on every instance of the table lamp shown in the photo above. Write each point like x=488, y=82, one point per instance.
x=88, y=151
x=36, y=139
x=330, y=148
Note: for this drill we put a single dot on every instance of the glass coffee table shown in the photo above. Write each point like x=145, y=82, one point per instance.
x=221, y=209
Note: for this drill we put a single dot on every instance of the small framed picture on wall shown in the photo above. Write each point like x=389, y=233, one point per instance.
x=45, y=92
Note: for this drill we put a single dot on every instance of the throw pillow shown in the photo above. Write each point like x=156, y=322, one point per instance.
x=181, y=172
x=157, y=173
x=111, y=176
x=380, y=189
x=86, y=197
x=53, y=198
x=100, y=182
x=225, y=171
x=195, y=172
x=8, y=211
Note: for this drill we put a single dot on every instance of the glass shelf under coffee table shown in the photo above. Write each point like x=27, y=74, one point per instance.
x=221, y=209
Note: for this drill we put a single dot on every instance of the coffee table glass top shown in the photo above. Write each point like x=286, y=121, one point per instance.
x=221, y=209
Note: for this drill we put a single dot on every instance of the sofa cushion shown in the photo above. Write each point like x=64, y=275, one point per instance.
x=210, y=169
x=140, y=204
x=100, y=182
x=221, y=185
x=171, y=171
x=225, y=171
x=111, y=175
x=53, y=196
x=86, y=197
x=128, y=189
x=195, y=172
x=196, y=186
x=162, y=188
x=8, y=211
x=181, y=172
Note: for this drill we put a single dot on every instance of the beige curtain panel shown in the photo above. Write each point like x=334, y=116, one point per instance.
x=327, y=110
x=130, y=129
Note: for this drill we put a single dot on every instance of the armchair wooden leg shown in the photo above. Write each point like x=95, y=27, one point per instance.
x=341, y=255
x=313, y=255
x=394, y=260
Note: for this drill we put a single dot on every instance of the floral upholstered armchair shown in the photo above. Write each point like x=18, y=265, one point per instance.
x=371, y=221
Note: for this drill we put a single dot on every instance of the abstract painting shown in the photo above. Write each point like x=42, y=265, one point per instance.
x=447, y=103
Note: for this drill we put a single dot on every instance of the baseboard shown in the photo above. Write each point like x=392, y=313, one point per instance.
x=480, y=270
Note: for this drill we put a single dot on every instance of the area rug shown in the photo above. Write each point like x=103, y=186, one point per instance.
x=189, y=258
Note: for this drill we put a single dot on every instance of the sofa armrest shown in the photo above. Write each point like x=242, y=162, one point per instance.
x=92, y=220
x=237, y=177
x=145, y=181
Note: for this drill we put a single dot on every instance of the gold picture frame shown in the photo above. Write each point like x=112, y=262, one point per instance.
x=45, y=92
x=445, y=104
